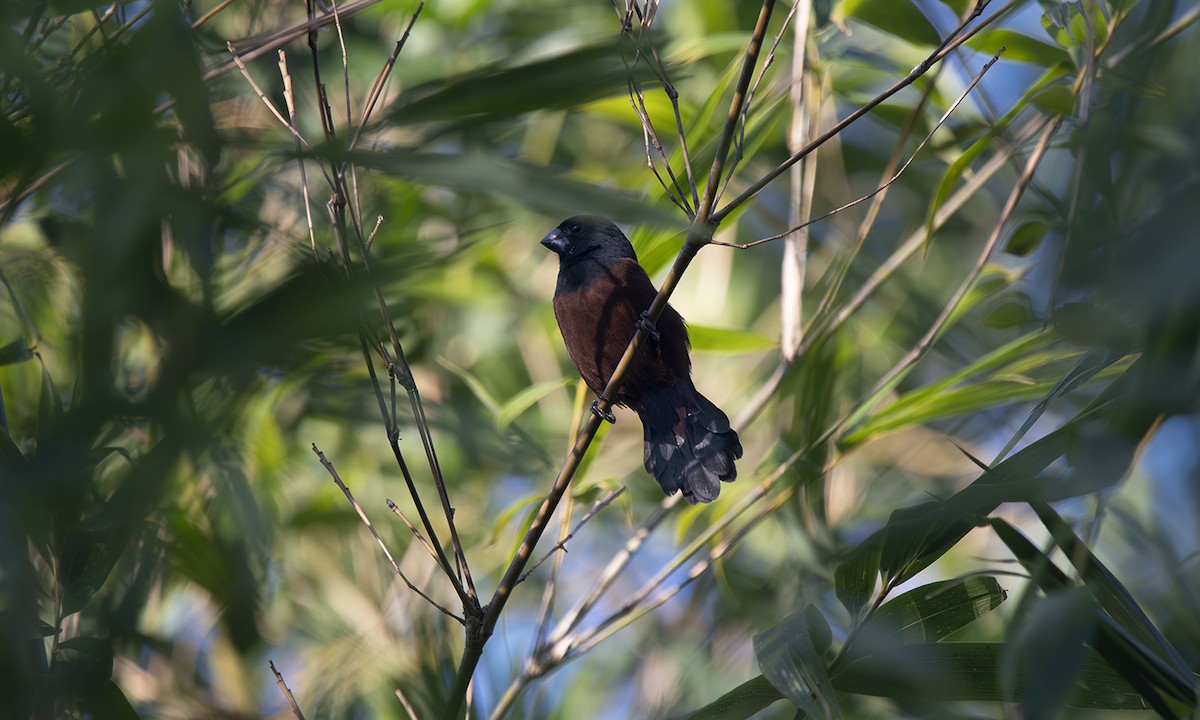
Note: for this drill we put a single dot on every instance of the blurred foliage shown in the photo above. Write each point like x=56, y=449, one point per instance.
x=1012, y=518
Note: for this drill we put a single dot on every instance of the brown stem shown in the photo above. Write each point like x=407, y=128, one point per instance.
x=699, y=234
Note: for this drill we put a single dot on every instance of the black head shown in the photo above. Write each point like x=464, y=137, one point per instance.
x=588, y=236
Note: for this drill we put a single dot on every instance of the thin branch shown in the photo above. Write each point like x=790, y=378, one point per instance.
x=607, y=577
x=562, y=544
x=650, y=139
x=211, y=13
x=412, y=528
x=595, y=636
x=266, y=101
x=945, y=116
x=705, y=209
x=934, y=331
x=287, y=693
x=951, y=42
x=290, y=100
x=367, y=521
x=408, y=708
x=381, y=79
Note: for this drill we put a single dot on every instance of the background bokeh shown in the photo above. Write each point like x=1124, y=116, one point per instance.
x=173, y=344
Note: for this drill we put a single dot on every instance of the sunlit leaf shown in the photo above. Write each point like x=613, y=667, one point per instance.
x=522, y=401
x=728, y=340
x=1018, y=46
x=901, y=18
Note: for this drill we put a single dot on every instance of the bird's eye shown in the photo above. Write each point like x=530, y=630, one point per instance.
x=574, y=228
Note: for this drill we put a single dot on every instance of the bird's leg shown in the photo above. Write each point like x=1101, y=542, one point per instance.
x=603, y=414
x=648, y=327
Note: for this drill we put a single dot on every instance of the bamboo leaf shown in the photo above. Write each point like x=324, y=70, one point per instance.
x=522, y=401
x=789, y=659
x=971, y=671
x=744, y=701
x=901, y=18
x=854, y=578
x=1046, y=657
x=931, y=612
x=728, y=340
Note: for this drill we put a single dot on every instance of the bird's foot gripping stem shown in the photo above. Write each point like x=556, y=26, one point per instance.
x=645, y=325
x=605, y=415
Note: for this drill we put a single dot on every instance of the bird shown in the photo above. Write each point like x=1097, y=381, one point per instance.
x=601, y=297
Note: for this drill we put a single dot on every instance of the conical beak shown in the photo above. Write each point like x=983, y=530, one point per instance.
x=555, y=241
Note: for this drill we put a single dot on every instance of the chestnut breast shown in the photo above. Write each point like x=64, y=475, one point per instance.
x=598, y=306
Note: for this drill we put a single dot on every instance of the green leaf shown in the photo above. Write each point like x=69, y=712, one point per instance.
x=931, y=612
x=818, y=629
x=957, y=168
x=475, y=385
x=1019, y=47
x=971, y=671
x=15, y=352
x=789, y=659
x=1109, y=592
x=534, y=186
x=565, y=80
x=50, y=407
x=1092, y=325
x=915, y=537
x=1026, y=238
x=1088, y=366
x=1057, y=99
x=522, y=401
x=1045, y=659
x=728, y=340
x=1009, y=314
x=901, y=18
x=940, y=399
x=854, y=578
x=88, y=558
x=740, y=703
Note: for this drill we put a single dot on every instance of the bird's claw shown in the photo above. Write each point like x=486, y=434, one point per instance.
x=645, y=325
x=605, y=415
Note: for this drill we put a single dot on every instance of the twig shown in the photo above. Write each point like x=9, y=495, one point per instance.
x=366, y=521
x=408, y=708
x=287, y=693
x=413, y=528
x=562, y=544
x=211, y=13
x=609, y=575
x=934, y=331
x=699, y=234
x=951, y=42
x=945, y=116
x=593, y=637
x=381, y=79
x=290, y=100
x=266, y=101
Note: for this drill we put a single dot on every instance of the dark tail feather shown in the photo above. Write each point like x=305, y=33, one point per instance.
x=689, y=444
